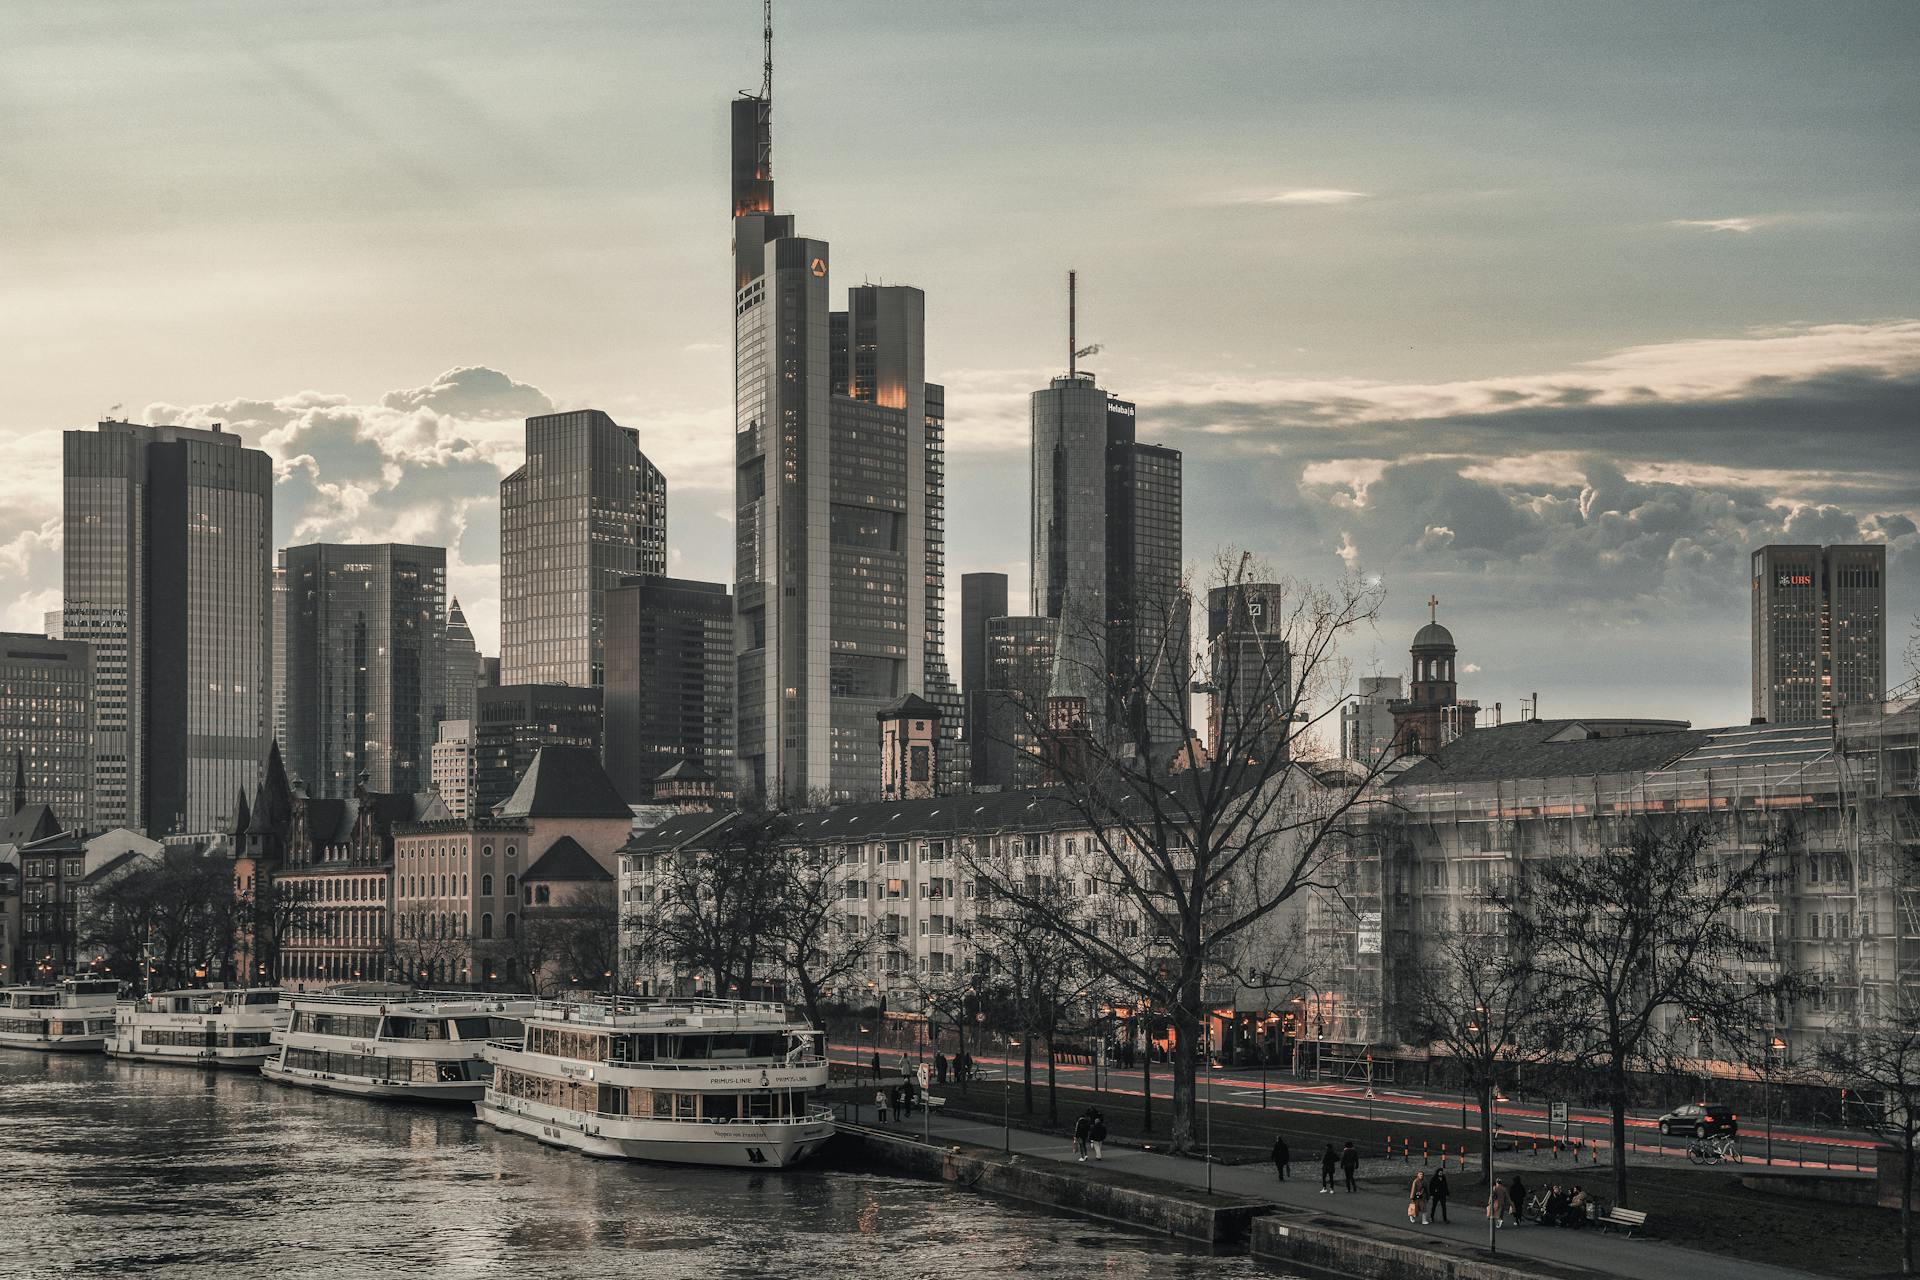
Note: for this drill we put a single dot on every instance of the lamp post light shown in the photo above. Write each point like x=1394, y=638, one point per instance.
x=1207, y=1045
x=1479, y=1027
x=1006, y=1094
x=1774, y=1045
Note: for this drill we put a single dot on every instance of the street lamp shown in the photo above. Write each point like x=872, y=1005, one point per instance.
x=1006, y=1094
x=1774, y=1045
x=1479, y=1027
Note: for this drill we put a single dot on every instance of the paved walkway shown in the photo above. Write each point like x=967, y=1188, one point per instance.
x=1633, y=1259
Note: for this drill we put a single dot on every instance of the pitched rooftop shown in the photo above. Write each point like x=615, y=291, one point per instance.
x=565, y=782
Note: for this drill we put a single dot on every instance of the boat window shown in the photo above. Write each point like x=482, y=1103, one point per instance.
x=687, y=1048
x=637, y=1048
x=474, y=1028
x=720, y=1106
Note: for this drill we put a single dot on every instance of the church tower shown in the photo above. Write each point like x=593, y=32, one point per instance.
x=1432, y=714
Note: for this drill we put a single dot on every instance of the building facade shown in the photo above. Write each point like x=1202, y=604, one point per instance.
x=453, y=766
x=513, y=722
x=670, y=672
x=1432, y=714
x=46, y=723
x=366, y=655
x=584, y=511
x=459, y=668
x=339, y=862
x=1366, y=720
x=1006, y=715
x=1819, y=630
x=168, y=574
x=983, y=596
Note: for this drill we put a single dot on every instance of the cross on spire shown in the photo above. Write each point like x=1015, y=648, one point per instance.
x=1433, y=608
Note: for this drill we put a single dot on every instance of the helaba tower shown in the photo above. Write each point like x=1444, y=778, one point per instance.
x=839, y=528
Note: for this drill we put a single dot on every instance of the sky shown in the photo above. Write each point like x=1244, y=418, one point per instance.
x=1553, y=312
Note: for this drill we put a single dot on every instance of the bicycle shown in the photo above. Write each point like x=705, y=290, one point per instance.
x=1713, y=1150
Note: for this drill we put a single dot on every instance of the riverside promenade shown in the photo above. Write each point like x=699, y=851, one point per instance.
x=1377, y=1203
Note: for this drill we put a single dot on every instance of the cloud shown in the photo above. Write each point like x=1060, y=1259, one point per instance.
x=1311, y=195
x=1743, y=226
x=473, y=391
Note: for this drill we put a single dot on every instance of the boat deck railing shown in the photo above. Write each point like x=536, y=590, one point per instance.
x=485, y=1002
x=671, y=1064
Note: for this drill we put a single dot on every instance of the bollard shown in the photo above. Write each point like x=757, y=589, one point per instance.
x=1426, y=1151
x=1462, y=1157
x=1556, y=1148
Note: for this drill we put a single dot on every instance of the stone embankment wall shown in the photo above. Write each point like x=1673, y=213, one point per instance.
x=1345, y=1247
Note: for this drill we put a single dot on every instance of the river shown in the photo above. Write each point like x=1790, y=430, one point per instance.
x=110, y=1168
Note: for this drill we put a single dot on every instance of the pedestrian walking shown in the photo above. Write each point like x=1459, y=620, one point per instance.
x=1417, y=1199
x=880, y=1104
x=1097, y=1135
x=940, y=1068
x=1350, y=1165
x=1281, y=1156
x=1080, y=1127
x=1518, y=1194
x=1437, y=1193
x=1328, y=1163
x=876, y=1064
x=1498, y=1203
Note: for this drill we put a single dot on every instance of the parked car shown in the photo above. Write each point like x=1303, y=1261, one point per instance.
x=1700, y=1120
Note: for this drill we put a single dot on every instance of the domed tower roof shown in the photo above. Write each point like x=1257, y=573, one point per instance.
x=1433, y=636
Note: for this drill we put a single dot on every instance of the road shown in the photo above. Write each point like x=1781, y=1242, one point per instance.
x=1525, y=1121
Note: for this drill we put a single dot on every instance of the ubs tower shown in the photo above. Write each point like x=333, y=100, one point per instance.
x=168, y=574
x=1106, y=563
x=839, y=529
x=1819, y=629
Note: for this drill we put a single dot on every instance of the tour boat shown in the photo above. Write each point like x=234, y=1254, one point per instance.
x=721, y=1082
x=76, y=1015
x=211, y=1027
x=416, y=1047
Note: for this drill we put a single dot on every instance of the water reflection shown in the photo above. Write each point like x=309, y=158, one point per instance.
x=117, y=1168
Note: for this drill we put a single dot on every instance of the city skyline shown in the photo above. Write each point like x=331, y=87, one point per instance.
x=1570, y=404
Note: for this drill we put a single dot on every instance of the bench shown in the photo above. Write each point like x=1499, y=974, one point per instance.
x=1628, y=1220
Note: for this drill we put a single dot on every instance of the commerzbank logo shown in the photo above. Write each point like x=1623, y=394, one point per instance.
x=819, y=268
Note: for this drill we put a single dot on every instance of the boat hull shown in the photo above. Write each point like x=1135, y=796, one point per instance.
x=212, y=1060
x=53, y=1044
x=446, y=1091
x=743, y=1145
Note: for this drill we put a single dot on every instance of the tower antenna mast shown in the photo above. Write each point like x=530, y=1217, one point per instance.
x=1073, y=354
x=766, y=33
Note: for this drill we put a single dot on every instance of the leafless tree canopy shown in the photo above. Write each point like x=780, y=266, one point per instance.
x=1882, y=1068
x=1201, y=838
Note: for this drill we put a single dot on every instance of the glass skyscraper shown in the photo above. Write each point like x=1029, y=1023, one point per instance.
x=839, y=522
x=670, y=672
x=585, y=510
x=46, y=725
x=1106, y=563
x=460, y=671
x=366, y=651
x=168, y=575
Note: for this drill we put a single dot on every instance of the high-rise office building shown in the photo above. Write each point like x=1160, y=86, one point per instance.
x=585, y=510
x=46, y=726
x=366, y=647
x=169, y=568
x=1106, y=562
x=983, y=597
x=670, y=673
x=1819, y=629
x=459, y=668
x=838, y=524
x=1366, y=721
x=1009, y=711
x=279, y=629
x=453, y=766
x=513, y=722
x=1250, y=702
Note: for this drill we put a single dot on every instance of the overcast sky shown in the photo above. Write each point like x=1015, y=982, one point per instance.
x=1553, y=311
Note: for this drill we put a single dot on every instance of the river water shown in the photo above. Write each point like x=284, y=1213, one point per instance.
x=108, y=1168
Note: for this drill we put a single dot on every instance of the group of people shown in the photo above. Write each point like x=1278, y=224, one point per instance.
x=1090, y=1134
x=1566, y=1207
x=1346, y=1160
x=961, y=1067
x=1427, y=1198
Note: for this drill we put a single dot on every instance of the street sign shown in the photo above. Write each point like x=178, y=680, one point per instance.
x=1557, y=1112
x=926, y=1076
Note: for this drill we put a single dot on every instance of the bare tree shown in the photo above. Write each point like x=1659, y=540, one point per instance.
x=586, y=928
x=1205, y=830
x=1480, y=1002
x=1642, y=943
x=174, y=918
x=1883, y=1065
x=813, y=937
x=272, y=911
x=716, y=901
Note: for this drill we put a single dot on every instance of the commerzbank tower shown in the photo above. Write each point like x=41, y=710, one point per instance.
x=839, y=533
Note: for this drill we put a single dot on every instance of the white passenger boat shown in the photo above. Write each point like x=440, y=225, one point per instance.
x=689, y=1081
x=210, y=1027
x=418, y=1047
x=74, y=1015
